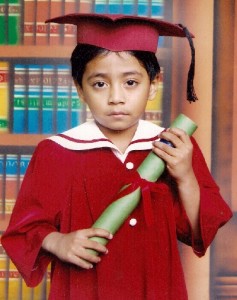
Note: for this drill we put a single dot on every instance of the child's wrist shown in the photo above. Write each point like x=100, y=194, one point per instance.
x=50, y=241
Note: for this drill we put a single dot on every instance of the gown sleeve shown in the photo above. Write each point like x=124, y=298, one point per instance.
x=214, y=212
x=37, y=212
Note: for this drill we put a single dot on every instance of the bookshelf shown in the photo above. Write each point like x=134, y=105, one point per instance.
x=33, y=47
x=27, y=37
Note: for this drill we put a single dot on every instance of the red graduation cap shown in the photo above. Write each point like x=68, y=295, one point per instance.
x=123, y=33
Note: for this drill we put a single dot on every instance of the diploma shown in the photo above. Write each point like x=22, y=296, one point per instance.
x=150, y=170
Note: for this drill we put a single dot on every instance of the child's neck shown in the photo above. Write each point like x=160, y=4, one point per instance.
x=120, y=138
x=120, y=142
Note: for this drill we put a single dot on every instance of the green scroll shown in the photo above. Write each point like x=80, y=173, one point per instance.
x=151, y=169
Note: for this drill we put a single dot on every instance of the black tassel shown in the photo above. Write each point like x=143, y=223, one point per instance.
x=191, y=95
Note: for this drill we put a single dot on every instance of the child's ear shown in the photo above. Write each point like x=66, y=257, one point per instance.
x=154, y=87
x=79, y=90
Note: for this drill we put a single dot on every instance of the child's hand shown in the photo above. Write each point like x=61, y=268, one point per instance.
x=71, y=247
x=178, y=158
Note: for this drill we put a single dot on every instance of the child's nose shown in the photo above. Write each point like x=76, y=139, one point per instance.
x=116, y=95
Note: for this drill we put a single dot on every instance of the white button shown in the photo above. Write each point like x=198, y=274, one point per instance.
x=133, y=222
x=129, y=165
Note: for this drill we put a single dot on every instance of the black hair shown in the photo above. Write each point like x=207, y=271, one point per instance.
x=83, y=54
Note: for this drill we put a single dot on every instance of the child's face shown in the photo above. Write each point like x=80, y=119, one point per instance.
x=116, y=88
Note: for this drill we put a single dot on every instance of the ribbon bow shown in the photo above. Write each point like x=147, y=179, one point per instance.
x=146, y=188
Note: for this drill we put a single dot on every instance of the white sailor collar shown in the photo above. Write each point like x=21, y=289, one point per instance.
x=88, y=136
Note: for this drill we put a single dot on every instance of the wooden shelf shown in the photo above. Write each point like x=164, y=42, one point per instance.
x=36, y=51
x=7, y=139
x=53, y=51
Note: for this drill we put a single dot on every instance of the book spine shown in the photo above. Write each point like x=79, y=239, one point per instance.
x=70, y=31
x=48, y=111
x=11, y=183
x=157, y=9
x=3, y=22
x=29, y=37
x=42, y=29
x=4, y=96
x=33, y=98
x=19, y=106
x=128, y=7
x=56, y=30
x=85, y=6
x=101, y=6
x=2, y=184
x=3, y=271
x=14, y=22
x=62, y=98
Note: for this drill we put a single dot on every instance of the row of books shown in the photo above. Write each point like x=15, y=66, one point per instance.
x=43, y=98
x=12, y=171
x=23, y=22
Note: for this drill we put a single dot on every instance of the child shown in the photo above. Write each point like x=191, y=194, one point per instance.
x=74, y=176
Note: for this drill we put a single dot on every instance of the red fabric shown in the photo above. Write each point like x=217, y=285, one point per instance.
x=67, y=190
x=119, y=32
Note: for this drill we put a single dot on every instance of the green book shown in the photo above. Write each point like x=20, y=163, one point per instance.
x=3, y=22
x=14, y=23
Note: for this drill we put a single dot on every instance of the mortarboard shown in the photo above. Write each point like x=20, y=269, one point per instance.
x=124, y=33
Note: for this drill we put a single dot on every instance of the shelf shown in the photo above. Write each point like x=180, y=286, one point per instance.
x=36, y=51
x=7, y=139
x=53, y=51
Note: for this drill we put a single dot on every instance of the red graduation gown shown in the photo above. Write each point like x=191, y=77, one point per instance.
x=67, y=190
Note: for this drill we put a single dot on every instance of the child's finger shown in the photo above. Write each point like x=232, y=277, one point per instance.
x=91, y=232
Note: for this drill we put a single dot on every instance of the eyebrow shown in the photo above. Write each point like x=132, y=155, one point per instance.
x=124, y=74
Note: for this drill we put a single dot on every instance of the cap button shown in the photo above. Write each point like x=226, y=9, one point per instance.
x=129, y=165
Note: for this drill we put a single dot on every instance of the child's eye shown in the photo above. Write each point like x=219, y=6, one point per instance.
x=131, y=82
x=99, y=84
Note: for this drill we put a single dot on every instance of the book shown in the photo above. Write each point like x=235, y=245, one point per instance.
x=2, y=185
x=157, y=9
x=56, y=34
x=48, y=109
x=33, y=98
x=3, y=22
x=3, y=270
x=12, y=170
x=85, y=6
x=14, y=22
x=19, y=124
x=4, y=96
x=29, y=35
x=42, y=30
